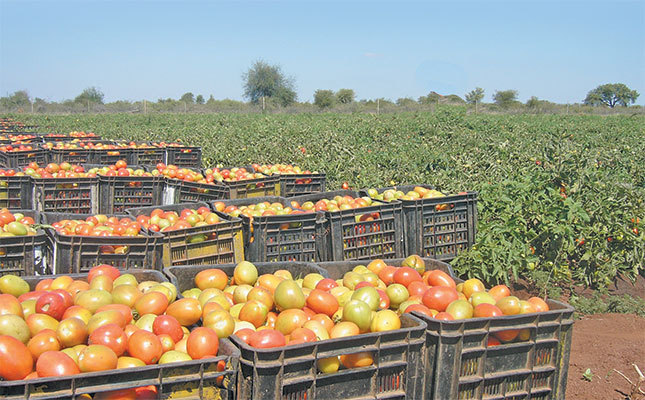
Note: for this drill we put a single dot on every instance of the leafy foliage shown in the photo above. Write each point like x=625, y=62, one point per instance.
x=561, y=198
x=505, y=98
x=345, y=96
x=324, y=98
x=265, y=80
x=475, y=96
x=91, y=95
x=611, y=94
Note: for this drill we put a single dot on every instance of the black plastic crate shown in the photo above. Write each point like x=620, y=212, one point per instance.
x=76, y=156
x=279, y=237
x=196, y=379
x=184, y=156
x=177, y=191
x=16, y=192
x=223, y=242
x=110, y=156
x=459, y=364
x=66, y=138
x=183, y=276
x=345, y=238
x=23, y=255
x=291, y=372
x=148, y=155
x=66, y=195
x=301, y=184
x=19, y=159
x=118, y=193
x=260, y=187
x=440, y=227
x=75, y=254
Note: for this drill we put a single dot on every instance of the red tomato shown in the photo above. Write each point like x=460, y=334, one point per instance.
x=387, y=274
x=322, y=302
x=245, y=334
x=122, y=308
x=9, y=304
x=167, y=324
x=326, y=284
x=438, y=278
x=267, y=338
x=384, y=303
x=187, y=311
x=151, y=303
x=439, y=297
x=43, y=341
x=52, y=304
x=492, y=341
x=145, y=346
x=97, y=357
x=485, y=310
x=302, y=335
x=291, y=319
x=112, y=336
x=211, y=278
x=444, y=316
x=421, y=309
x=407, y=275
x=202, y=342
x=103, y=269
x=16, y=361
x=56, y=363
x=417, y=288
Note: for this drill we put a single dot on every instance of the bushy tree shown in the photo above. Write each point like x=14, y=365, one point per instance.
x=187, y=98
x=345, y=96
x=475, y=96
x=505, y=98
x=90, y=95
x=265, y=80
x=324, y=98
x=405, y=102
x=533, y=102
x=611, y=94
x=19, y=99
x=199, y=99
x=431, y=98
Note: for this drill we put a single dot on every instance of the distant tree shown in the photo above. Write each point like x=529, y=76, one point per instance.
x=611, y=94
x=504, y=98
x=265, y=80
x=211, y=100
x=475, y=96
x=453, y=99
x=345, y=96
x=405, y=102
x=19, y=99
x=187, y=98
x=199, y=99
x=431, y=98
x=533, y=102
x=324, y=98
x=90, y=95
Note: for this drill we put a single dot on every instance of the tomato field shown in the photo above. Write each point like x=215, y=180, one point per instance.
x=561, y=198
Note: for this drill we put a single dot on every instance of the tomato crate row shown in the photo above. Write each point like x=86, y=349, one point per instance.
x=212, y=377
x=24, y=252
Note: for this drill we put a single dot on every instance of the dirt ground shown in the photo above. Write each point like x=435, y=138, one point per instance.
x=604, y=342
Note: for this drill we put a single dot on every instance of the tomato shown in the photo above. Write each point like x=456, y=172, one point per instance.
x=211, y=278
x=326, y=284
x=262, y=295
x=421, y=309
x=61, y=282
x=244, y=334
x=376, y=265
x=417, y=288
x=172, y=356
x=288, y=295
x=123, y=309
x=387, y=274
x=245, y=273
x=486, y=310
x=45, y=340
x=510, y=305
x=481, y=297
x=357, y=360
x=97, y=357
x=76, y=287
x=499, y=292
x=439, y=297
x=460, y=309
x=167, y=324
x=112, y=336
x=121, y=394
x=471, y=286
x=397, y=294
x=103, y=269
x=406, y=275
x=52, y=304
x=145, y=346
x=55, y=363
x=129, y=362
x=105, y=317
x=385, y=320
x=507, y=335
x=328, y=365
x=369, y=296
x=351, y=279
x=202, y=342
x=311, y=280
x=267, y=338
x=438, y=278
x=289, y=320
x=539, y=304
x=186, y=311
x=78, y=312
x=240, y=295
x=221, y=322
x=16, y=361
x=384, y=301
x=317, y=328
x=167, y=344
x=71, y=331
x=9, y=304
x=324, y=320
x=126, y=295
x=254, y=312
x=28, y=308
x=38, y=322
x=492, y=341
x=358, y=312
x=322, y=302
x=444, y=316
x=31, y=295
x=302, y=335
x=152, y=303
x=93, y=299
x=269, y=282
x=415, y=262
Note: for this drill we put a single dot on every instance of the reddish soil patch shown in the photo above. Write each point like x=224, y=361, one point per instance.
x=604, y=342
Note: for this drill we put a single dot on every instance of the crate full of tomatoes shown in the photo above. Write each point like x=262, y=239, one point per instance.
x=19, y=155
x=189, y=185
x=108, y=334
x=243, y=182
x=294, y=181
x=22, y=242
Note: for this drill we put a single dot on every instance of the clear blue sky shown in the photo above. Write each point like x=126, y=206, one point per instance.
x=554, y=50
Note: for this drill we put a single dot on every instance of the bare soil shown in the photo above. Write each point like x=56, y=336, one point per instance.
x=604, y=342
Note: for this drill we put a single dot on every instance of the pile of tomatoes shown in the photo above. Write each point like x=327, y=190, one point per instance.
x=10, y=148
x=98, y=225
x=119, y=168
x=234, y=174
x=15, y=224
x=160, y=220
x=284, y=169
x=183, y=174
x=65, y=326
x=54, y=170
